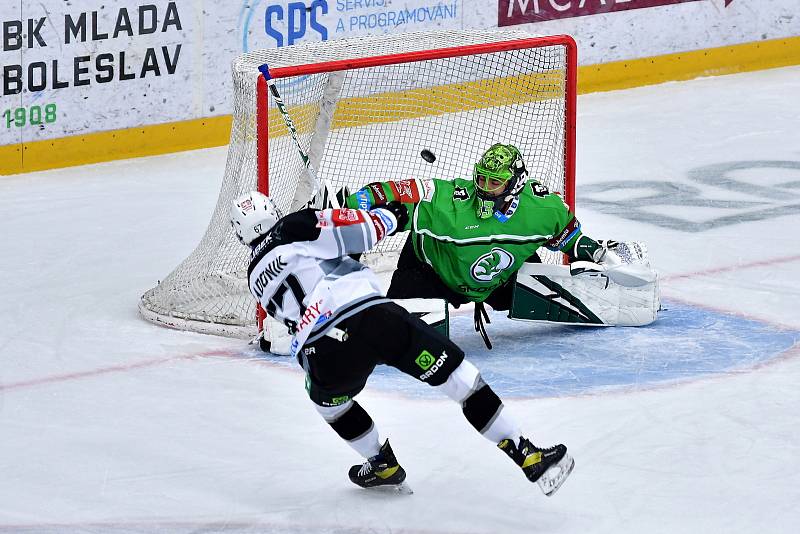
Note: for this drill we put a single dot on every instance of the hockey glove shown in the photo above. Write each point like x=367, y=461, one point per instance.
x=396, y=211
x=341, y=196
x=607, y=254
x=625, y=262
x=614, y=253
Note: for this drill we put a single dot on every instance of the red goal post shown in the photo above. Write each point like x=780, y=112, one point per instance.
x=364, y=109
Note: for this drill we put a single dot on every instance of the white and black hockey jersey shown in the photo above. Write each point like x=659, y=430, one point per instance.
x=301, y=273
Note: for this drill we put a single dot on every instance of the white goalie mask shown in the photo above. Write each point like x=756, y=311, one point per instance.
x=252, y=215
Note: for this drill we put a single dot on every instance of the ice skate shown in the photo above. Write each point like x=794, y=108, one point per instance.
x=381, y=471
x=549, y=468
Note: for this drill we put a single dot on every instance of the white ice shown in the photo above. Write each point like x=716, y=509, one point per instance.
x=111, y=424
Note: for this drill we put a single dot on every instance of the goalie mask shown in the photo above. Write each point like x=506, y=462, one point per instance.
x=499, y=178
x=252, y=215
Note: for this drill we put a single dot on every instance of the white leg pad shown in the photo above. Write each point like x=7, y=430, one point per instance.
x=584, y=293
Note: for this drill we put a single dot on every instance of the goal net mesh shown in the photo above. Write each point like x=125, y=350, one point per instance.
x=362, y=123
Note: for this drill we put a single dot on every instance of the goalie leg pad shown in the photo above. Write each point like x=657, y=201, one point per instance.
x=582, y=294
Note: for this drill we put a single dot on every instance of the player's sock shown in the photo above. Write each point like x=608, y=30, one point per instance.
x=549, y=468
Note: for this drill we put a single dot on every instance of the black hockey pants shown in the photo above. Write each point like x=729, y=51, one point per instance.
x=382, y=334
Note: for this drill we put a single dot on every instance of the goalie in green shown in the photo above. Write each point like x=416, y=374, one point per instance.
x=476, y=241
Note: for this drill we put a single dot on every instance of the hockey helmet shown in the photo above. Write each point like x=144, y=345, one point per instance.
x=499, y=176
x=252, y=215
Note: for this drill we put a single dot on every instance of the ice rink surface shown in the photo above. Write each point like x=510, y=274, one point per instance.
x=111, y=424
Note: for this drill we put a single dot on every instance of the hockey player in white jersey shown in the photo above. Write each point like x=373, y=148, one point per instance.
x=344, y=326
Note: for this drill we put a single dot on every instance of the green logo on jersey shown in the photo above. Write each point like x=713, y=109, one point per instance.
x=336, y=401
x=425, y=360
x=489, y=265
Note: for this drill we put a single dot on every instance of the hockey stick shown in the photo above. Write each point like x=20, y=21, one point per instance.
x=327, y=195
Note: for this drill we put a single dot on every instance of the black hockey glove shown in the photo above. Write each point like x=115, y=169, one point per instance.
x=341, y=196
x=400, y=213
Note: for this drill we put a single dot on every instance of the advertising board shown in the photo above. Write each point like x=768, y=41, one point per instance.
x=83, y=67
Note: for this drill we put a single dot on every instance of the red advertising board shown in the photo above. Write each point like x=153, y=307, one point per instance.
x=511, y=12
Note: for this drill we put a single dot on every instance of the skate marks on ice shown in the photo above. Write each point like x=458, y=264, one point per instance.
x=542, y=360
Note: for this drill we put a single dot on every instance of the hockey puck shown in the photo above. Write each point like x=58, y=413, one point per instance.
x=427, y=155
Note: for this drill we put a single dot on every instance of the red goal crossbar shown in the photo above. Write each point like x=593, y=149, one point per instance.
x=347, y=64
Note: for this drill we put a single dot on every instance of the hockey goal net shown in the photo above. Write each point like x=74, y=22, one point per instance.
x=364, y=109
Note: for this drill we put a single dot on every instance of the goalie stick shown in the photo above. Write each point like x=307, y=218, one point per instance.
x=328, y=198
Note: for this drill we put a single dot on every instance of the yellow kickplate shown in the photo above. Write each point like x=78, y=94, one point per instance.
x=386, y=473
x=731, y=59
x=116, y=144
x=534, y=458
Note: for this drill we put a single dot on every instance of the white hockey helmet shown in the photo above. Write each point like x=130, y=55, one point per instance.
x=252, y=215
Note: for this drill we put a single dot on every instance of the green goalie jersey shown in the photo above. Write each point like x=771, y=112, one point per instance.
x=474, y=256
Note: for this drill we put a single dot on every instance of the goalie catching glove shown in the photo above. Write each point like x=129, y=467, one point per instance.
x=625, y=262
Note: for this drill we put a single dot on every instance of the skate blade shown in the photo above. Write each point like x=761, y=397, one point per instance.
x=402, y=488
x=552, y=479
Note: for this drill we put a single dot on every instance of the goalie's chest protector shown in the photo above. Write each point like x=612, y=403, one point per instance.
x=474, y=256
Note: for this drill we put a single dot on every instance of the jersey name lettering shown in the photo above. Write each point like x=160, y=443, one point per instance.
x=270, y=272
